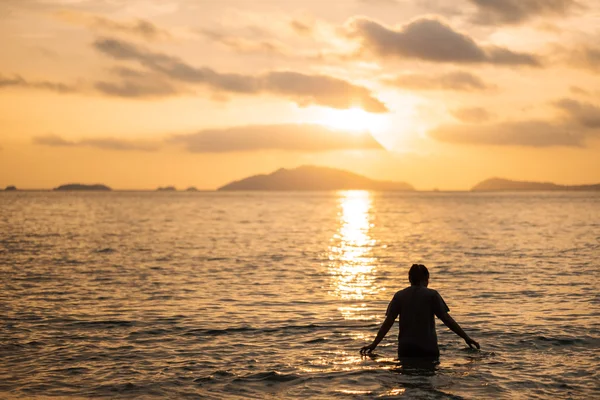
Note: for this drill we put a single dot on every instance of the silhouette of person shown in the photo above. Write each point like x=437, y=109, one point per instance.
x=417, y=305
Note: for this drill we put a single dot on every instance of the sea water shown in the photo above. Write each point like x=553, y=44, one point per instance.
x=271, y=295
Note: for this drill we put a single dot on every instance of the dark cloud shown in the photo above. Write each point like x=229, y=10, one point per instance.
x=135, y=90
x=431, y=40
x=301, y=88
x=140, y=27
x=585, y=114
x=458, y=80
x=100, y=143
x=137, y=84
x=471, y=114
x=517, y=11
x=291, y=137
x=517, y=133
x=18, y=81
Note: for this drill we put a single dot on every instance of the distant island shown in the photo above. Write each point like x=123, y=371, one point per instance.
x=166, y=189
x=313, y=178
x=499, y=184
x=79, y=186
x=11, y=188
x=191, y=189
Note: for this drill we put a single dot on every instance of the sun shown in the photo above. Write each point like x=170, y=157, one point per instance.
x=353, y=120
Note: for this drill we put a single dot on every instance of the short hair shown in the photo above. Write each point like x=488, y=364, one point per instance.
x=418, y=273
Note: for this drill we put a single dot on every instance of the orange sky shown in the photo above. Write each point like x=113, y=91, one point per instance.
x=138, y=94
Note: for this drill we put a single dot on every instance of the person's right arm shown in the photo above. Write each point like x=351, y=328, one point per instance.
x=455, y=327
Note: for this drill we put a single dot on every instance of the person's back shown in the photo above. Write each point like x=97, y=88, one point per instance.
x=417, y=307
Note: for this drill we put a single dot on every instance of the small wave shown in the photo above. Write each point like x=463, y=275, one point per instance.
x=245, y=329
x=214, y=376
x=269, y=376
x=150, y=332
x=317, y=340
x=560, y=341
x=105, y=250
x=117, y=388
x=101, y=324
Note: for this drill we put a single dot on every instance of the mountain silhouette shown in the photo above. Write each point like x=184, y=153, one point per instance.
x=314, y=178
x=79, y=186
x=500, y=184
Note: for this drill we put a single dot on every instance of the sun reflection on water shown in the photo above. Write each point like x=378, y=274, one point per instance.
x=351, y=264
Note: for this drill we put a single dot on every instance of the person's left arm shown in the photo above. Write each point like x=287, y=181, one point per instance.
x=390, y=316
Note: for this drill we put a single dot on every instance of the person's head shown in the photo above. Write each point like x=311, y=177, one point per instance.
x=418, y=275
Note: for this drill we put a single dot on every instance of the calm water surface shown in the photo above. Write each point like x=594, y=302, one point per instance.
x=271, y=295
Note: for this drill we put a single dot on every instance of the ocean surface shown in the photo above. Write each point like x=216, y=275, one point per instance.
x=271, y=295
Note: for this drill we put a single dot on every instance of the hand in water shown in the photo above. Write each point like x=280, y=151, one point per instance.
x=472, y=343
x=367, y=349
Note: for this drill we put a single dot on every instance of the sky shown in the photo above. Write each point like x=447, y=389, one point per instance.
x=138, y=94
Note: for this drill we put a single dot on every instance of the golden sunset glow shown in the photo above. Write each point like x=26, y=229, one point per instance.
x=350, y=263
x=142, y=94
x=355, y=120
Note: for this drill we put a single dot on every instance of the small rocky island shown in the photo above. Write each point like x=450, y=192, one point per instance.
x=79, y=186
x=166, y=189
x=499, y=184
x=191, y=189
x=314, y=178
x=10, y=188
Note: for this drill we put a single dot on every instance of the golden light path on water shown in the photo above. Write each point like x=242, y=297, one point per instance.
x=351, y=264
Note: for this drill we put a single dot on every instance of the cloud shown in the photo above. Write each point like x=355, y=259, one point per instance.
x=380, y=2
x=471, y=114
x=515, y=133
x=140, y=27
x=583, y=120
x=18, y=81
x=495, y=12
x=431, y=40
x=137, y=84
x=288, y=137
x=585, y=114
x=578, y=90
x=242, y=45
x=291, y=137
x=301, y=88
x=586, y=57
x=301, y=28
x=100, y=143
x=458, y=80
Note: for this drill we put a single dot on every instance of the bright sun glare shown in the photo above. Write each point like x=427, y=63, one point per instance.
x=354, y=120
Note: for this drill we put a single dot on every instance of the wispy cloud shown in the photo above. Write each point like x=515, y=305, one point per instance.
x=243, y=45
x=495, y=12
x=100, y=143
x=290, y=137
x=458, y=81
x=19, y=81
x=431, y=40
x=583, y=113
x=471, y=114
x=585, y=56
x=301, y=88
x=515, y=133
x=139, y=27
x=137, y=84
x=305, y=138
